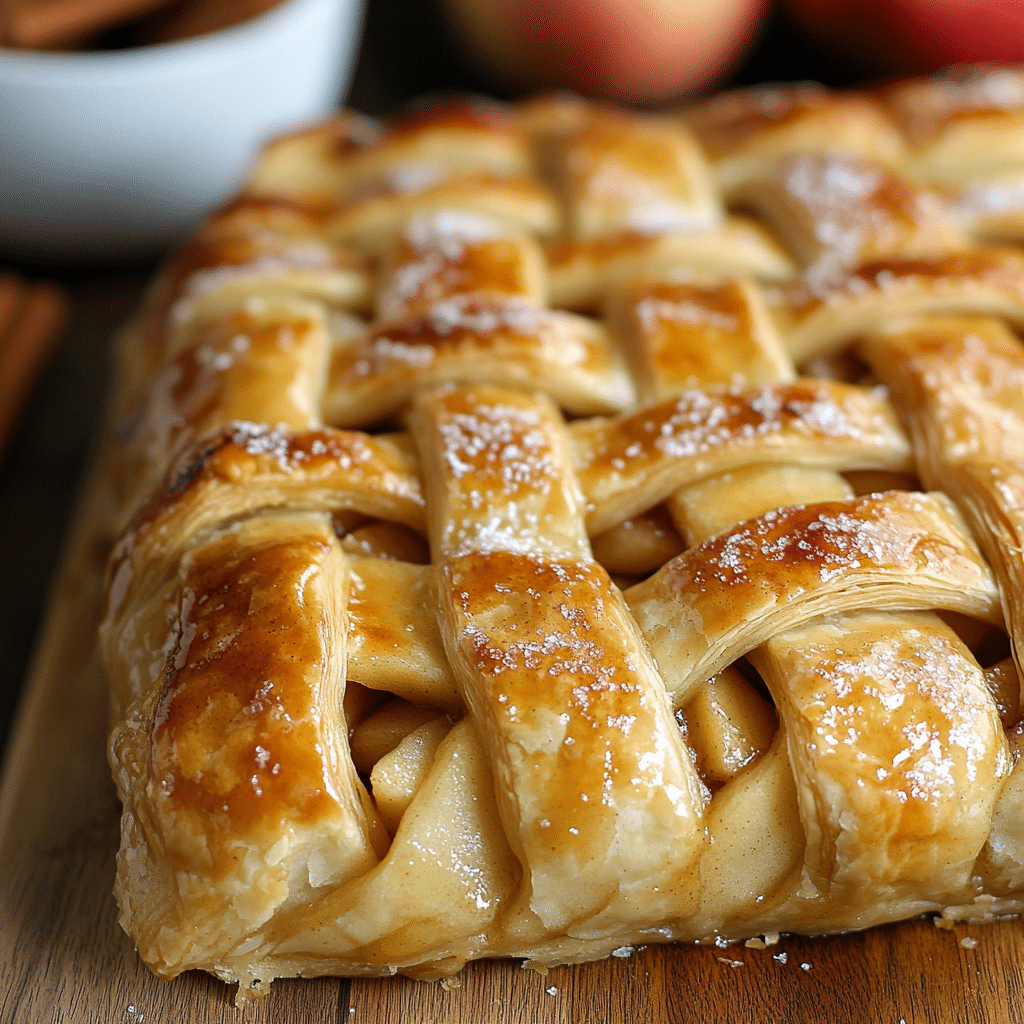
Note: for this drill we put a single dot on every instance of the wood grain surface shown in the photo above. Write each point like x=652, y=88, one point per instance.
x=63, y=956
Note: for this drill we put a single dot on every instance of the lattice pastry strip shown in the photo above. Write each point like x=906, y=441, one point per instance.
x=253, y=804
x=261, y=360
x=951, y=127
x=631, y=463
x=476, y=337
x=592, y=777
x=961, y=124
x=835, y=210
x=449, y=253
x=655, y=182
x=638, y=196
x=582, y=273
x=842, y=685
x=249, y=467
x=432, y=142
x=252, y=246
x=680, y=335
x=818, y=317
x=961, y=383
x=958, y=381
x=747, y=130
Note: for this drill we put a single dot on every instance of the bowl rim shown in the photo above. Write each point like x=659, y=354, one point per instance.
x=30, y=63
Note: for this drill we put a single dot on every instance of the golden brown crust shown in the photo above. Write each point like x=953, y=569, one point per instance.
x=519, y=544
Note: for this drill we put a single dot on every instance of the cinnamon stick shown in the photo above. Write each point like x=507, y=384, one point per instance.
x=32, y=316
x=57, y=24
x=188, y=18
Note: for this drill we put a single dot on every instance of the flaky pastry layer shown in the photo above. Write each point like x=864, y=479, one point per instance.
x=548, y=529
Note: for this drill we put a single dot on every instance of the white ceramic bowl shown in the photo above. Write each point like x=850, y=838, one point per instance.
x=112, y=154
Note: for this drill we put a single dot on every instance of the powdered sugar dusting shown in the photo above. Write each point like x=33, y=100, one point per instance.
x=499, y=444
x=469, y=313
x=789, y=553
x=699, y=421
x=449, y=231
x=652, y=309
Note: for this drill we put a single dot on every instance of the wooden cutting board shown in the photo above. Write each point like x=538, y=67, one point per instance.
x=64, y=958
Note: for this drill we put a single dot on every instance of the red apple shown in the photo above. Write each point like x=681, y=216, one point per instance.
x=634, y=50
x=919, y=35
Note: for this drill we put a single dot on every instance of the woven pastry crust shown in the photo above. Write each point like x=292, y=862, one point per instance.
x=549, y=529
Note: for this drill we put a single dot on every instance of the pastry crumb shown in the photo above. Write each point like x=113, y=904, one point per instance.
x=731, y=963
x=968, y=943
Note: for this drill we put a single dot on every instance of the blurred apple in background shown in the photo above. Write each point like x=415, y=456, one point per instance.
x=633, y=50
x=646, y=51
x=895, y=36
